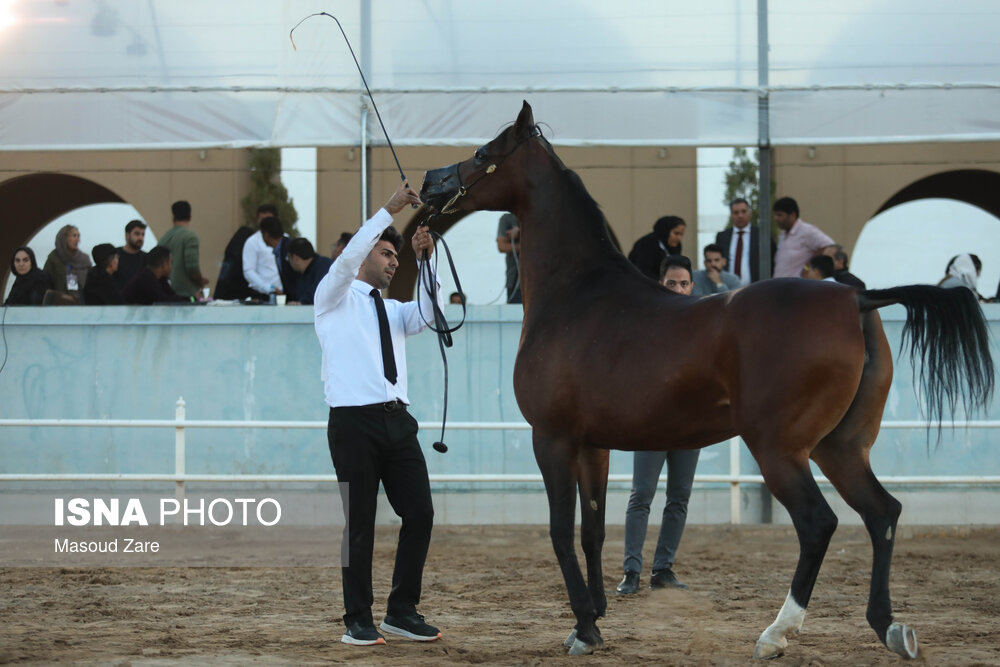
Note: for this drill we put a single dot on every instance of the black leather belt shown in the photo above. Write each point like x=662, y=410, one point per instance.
x=391, y=406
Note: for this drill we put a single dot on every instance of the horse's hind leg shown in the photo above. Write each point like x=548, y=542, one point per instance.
x=843, y=458
x=557, y=462
x=792, y=483
x=853, y=478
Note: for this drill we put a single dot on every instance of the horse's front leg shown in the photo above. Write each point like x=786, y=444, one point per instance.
x=557, y=461
x=593, y=480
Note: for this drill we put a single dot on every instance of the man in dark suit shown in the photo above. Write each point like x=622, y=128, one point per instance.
x=741, y=244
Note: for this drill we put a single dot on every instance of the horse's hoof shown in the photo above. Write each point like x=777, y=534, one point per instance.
x=579, y=648
x=766, y=650
x=902, y=640
x=569, y=640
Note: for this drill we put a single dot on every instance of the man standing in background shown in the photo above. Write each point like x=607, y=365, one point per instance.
x=131, y=258
x=740, y=243
x=799, y=240
x=186, y=278
x=509, y=243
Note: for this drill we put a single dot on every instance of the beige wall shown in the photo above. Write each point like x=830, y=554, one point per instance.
x=213, y=181
x=840, y=188
x=634, y=186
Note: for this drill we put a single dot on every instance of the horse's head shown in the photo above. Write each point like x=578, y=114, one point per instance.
x=481, y=182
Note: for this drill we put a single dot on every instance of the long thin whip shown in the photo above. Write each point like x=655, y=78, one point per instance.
x=441, y=328
x=361, y=72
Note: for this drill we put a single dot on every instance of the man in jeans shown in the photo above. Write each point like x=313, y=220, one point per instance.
x=676, y=277
x=371, y=435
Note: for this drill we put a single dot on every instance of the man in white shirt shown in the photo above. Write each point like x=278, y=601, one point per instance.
x=372, y=437
x=260, y=266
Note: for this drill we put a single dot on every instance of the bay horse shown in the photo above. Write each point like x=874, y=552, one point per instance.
x=609, y=359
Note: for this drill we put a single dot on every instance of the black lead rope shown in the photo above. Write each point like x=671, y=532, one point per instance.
x=427, y=281
x=440, y=325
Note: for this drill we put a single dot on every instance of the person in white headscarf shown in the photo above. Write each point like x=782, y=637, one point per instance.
x=962, y=271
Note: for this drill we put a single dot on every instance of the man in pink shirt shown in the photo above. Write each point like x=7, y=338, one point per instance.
x=798, y=242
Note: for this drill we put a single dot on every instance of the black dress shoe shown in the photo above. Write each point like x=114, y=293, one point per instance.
x=665, y=579
x=629, y=584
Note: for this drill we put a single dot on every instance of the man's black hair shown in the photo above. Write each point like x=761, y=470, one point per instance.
x=271, y=227
x=738, y=200
x=671, y=261
x=823, y=264
x=392, y=236
x=712, y=247
x=787, y=205
x=181, y=210
x=302, y=248
x=157, y=257
x=133, y=224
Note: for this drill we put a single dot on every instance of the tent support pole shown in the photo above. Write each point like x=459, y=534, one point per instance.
x=763, y=143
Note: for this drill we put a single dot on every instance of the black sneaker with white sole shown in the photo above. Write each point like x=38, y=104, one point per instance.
x=359, y=634
x=411, y=626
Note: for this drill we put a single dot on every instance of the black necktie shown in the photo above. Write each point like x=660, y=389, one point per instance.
x=738, y=260
x=388, y=358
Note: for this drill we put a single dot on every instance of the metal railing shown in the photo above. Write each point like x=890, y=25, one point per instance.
x=180, y=476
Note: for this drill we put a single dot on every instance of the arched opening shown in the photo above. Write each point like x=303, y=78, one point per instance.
x=920, y=228
x=481, y=267
x=31, y=202
x=977, y=187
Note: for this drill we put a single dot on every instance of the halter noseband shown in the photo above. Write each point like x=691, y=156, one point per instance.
x=464, y=190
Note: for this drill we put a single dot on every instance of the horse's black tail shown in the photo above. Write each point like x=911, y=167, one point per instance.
x=948, y=335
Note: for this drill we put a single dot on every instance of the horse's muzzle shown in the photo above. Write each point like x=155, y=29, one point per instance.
x=440, y=185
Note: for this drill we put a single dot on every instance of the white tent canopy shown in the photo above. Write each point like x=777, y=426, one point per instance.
x=82, y=74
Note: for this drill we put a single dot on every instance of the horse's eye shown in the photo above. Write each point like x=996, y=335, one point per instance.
x=480, y=155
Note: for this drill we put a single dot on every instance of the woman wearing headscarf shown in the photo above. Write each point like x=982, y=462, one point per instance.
x=101, y=288
x=963, y=271
x=30, y=281
x=66, y=265
x=650, y=250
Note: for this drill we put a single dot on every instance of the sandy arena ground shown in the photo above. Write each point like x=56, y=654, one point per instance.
x=497, y=595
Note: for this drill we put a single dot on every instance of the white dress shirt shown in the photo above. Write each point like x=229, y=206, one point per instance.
x=347, y=327
x=260, y=267
x=744, y=276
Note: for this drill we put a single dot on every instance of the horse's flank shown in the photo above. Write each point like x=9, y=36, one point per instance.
x=617, y=331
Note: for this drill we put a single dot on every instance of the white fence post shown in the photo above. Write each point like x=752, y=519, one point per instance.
x=179, y=450
x=734, y=486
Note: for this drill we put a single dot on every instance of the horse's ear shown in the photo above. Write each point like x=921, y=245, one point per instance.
x=525, y=123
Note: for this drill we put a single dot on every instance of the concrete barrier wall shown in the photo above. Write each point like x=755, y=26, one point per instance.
x=262, y=363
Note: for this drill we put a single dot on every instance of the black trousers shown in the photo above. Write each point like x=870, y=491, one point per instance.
x=369, y=445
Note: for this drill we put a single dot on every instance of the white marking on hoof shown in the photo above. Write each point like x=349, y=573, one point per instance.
x=569, y=640
x=772, y=642
x=902, y=640
x=579, y=648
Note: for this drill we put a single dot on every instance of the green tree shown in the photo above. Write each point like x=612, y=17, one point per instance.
x=266, y=188
x=741, y=182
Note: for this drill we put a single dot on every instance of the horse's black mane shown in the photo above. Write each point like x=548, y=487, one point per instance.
x=593, y=219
